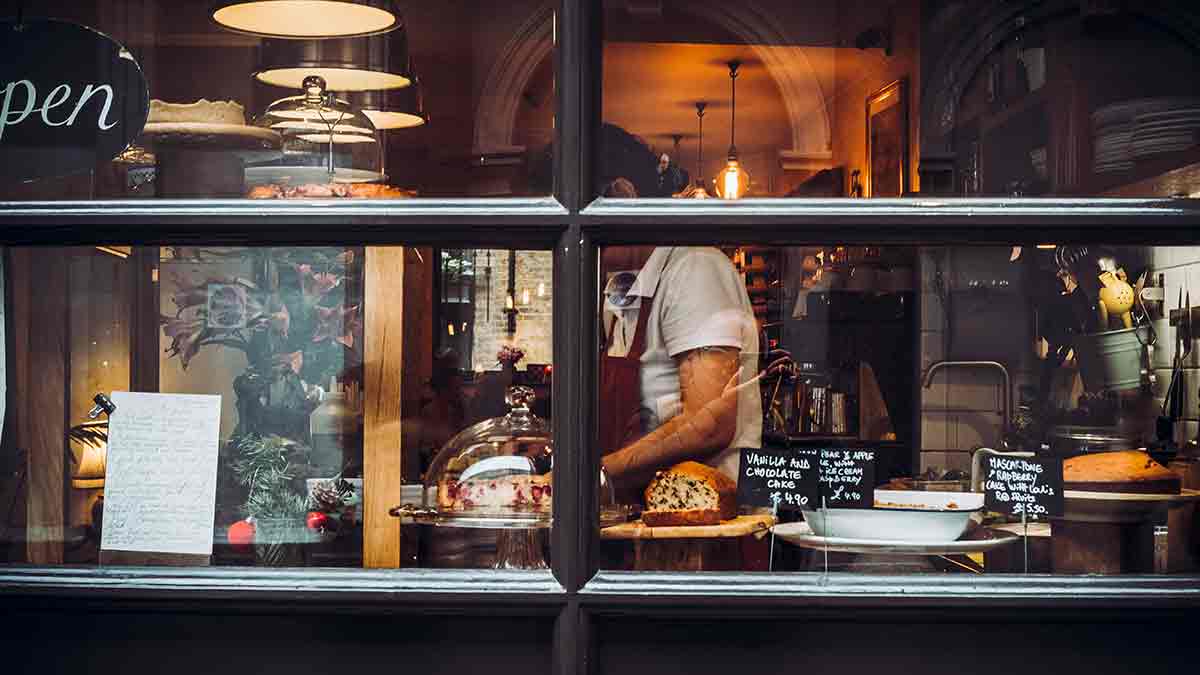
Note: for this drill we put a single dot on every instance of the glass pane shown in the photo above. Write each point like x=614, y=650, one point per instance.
x=289, y=399
x=876, y=98
x=446, y=99
x=917, y=409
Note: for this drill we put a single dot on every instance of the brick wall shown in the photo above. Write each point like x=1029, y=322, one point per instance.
x=534, y=322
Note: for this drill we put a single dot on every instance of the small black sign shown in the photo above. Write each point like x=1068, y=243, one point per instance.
x=770, y=477
x=1019, y=485
x=70, y=98
x=847, y=478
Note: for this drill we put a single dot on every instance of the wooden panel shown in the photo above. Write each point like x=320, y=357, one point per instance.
x=16, y=430
x=383, y=300
x=417, y=348
x=738, y=527
x=46, y=406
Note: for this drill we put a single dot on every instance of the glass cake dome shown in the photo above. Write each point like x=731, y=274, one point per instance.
x=325, y=140
x=497, y=474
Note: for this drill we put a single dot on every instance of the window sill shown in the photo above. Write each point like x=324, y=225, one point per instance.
x=814, y=590
x=951, y=208
x=295, y=586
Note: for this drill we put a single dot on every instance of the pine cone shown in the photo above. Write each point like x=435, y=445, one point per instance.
x=327, y=497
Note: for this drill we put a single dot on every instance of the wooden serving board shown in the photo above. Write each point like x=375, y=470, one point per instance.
x=738, y=527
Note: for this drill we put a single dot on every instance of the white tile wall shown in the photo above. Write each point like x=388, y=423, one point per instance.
x=945, y=461
x=974, y=394
x=1190, y=381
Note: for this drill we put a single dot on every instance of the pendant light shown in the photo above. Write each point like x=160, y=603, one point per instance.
x=697, y=190
x=307, y=19
x=373, y=63
x=733, y=181
x=392, y=108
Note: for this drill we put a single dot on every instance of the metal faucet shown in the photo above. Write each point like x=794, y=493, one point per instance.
x=1007, y=397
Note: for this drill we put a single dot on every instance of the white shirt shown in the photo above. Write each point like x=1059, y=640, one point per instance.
x=700, y=300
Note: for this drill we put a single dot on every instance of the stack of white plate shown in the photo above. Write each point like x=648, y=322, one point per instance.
x=1127, y=130
x=1110, y=148
x=1169, y=130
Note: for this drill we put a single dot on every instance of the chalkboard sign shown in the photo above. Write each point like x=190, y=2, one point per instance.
x=1019, y=485
x=70, y=98
x=784, y=477
x=847, y=478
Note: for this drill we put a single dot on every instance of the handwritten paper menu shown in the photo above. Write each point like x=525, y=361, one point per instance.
x=768, y=477
x=160, y=485
x=1019, y=485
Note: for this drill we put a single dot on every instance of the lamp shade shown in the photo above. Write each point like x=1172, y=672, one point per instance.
x=392, y=108
x=379, y=62
x=307, y=19
x=92, y=463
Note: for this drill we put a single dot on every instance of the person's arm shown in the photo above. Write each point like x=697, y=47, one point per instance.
x=708, y=385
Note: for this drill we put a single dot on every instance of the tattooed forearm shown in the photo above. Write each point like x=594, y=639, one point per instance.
x=708, y=387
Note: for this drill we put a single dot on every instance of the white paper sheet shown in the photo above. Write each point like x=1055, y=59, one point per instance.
x=160, y=486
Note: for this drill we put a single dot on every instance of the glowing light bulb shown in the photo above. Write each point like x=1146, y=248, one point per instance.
x=525, y=297
x=450, y=329
x=541, y=289
x=733, y=181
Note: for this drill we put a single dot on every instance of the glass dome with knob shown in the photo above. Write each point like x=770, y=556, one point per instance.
x=497, y=474
x=325, y=140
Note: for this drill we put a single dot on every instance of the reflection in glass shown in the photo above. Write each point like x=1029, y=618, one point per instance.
x=885, y=99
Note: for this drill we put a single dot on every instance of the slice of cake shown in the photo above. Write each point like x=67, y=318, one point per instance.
x=689, y=493
x=1126, y=471
x=200, y=112
x=509, y=493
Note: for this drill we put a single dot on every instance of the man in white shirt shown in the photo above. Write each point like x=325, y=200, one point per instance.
x=699, y=333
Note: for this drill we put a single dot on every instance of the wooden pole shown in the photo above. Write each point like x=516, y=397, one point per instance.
x=383, y=306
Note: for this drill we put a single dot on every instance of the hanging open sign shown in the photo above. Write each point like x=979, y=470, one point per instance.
x=70, y=98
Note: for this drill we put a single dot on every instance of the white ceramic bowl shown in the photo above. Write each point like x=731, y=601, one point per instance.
x=910, y=516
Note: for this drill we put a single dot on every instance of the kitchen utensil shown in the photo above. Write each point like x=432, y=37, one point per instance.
x=1111, y=360
x=910, y=516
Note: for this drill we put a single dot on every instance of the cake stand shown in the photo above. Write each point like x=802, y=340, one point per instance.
x=1113, y=532
x=198, y=159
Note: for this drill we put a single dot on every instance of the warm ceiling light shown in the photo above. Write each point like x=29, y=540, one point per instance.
x=308, y=19
x=733, y=181
x=336, y=138
x=296, y=125
x=379, y=62
x=394, y=108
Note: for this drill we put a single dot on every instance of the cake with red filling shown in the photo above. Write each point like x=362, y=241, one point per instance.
x=508, y=493
x=329, y=191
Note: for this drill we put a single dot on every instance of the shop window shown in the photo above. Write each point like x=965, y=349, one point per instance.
x=860, y=397
x=875, y=98
x=295, y=406
x=415, y=100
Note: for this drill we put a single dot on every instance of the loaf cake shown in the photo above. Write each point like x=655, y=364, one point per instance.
x=509, y=493
x=1126, y=471
x=689, y=493
x=200, y=112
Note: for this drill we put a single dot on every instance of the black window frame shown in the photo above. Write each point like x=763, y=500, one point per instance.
x=574, y=223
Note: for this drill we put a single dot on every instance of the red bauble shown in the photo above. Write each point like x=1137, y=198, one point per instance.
x=318, y=521
x=241, y=533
